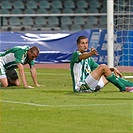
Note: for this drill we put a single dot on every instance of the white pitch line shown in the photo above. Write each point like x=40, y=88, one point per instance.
x=51, y=74
x=69, y=105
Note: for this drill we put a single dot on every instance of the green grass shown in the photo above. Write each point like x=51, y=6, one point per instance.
x=54, y=108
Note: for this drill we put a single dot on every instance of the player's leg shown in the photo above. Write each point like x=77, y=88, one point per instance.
x=127, y=83
x=96, y=80
x=13, y=79
x=102, y=82
x=12, y=82
x=105, y=70
x=3, y=81
x=91, y=82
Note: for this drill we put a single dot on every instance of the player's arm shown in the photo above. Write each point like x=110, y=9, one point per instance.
x=86, y=55
x=22, y=75
x=34, y=75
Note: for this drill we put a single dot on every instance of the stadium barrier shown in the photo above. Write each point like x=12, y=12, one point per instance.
x=58, y=47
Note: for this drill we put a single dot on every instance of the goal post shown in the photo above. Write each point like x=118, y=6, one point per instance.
x=110, y=33
x=120, y=35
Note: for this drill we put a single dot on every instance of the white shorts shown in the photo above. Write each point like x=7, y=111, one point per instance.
x=92, y=83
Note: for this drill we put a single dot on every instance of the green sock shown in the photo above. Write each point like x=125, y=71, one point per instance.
x=116, y=82
x=126, y=82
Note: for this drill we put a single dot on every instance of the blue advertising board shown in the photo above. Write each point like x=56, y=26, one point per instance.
x=58, y=47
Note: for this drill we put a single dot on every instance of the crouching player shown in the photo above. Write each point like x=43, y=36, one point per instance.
x=17, y=57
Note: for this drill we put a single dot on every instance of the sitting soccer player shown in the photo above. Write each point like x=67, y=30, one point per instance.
x=88, y=76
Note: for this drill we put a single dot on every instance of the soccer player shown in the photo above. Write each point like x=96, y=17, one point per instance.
x=87, y=75
x=17, y=57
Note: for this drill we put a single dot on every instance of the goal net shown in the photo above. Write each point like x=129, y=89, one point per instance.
x=123, y=36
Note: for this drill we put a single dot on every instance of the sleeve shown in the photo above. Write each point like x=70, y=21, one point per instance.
x=75, y=57
x=31, y=63
x=19, y=55
x=93, y=64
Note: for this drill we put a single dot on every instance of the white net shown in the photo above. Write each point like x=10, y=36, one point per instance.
x=123, y=30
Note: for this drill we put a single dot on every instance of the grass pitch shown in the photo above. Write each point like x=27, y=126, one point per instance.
x=54, y=108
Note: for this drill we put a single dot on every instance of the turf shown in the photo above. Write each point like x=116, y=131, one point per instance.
x=54, y=108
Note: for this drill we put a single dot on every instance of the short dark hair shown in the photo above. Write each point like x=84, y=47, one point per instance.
x=80, y=38
x=35, y=48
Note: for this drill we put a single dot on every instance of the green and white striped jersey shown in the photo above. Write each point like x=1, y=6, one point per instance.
x=80, y=69
x=15, y=55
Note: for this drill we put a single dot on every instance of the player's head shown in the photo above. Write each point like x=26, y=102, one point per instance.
x=33, y=53
x=82, y=43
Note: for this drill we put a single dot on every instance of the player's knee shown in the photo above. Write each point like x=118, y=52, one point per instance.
x=4, y=84
x=103, y=67
x=17, y=84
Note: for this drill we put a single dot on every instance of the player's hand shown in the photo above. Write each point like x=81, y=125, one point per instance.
x=38, y=85
x=117, y=73
x=29, y=87
x=94, y=51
